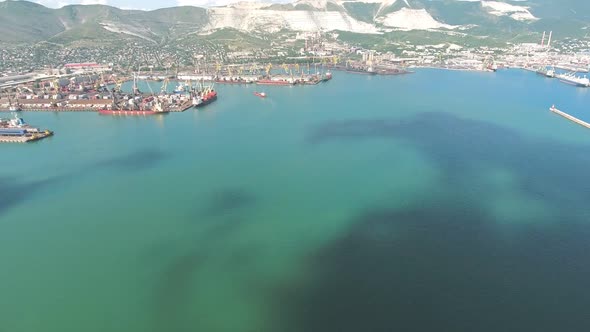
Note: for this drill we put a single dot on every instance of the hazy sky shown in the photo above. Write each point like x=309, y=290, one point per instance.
x=140, y=4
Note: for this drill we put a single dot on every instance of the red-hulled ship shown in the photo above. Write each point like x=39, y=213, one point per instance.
x=232, y=81
x=157, y=108
x=204, y=98
x=274, y=82
x=129, y=112
x=260, y=94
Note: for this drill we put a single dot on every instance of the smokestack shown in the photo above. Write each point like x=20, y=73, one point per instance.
x=543, y=39
x=549, y=42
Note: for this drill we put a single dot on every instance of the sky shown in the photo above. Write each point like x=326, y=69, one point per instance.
x=140, y=4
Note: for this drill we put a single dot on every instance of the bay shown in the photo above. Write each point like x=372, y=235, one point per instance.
x=443, y=201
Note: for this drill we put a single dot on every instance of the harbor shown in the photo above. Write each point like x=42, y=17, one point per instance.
x=186, y=207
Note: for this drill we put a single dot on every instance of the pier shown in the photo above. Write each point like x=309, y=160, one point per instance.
x=25, y=138
x=182, y=107
x=570, y=117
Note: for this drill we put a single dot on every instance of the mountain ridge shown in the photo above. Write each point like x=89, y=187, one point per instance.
x=27, y=22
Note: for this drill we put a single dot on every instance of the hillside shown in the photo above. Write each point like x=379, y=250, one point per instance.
x=26, y=22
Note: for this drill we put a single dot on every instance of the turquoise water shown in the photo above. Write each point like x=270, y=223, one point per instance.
x=438, y=201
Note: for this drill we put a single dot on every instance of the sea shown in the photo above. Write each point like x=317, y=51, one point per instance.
x=436, y=201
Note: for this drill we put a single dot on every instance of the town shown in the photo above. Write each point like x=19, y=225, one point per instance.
x=48, y=77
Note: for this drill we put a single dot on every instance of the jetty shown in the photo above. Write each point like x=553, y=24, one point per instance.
x=181, y=107
x=569, y=117
x=25, y=138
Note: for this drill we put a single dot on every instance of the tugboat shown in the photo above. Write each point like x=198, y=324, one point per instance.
x=260, y=94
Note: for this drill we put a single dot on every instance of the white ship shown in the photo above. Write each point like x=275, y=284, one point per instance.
x=574, y=80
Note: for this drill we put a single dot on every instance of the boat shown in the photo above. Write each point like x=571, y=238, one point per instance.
x=260, y=94
x=18, y=127
x=267, y=81
x=547, y=72
x=574, y=80
x=205, y=99
x=157, y=108
x=180, y=88
x=12, y=108
x=233, y=81
x=357, y=70
x=202, y=95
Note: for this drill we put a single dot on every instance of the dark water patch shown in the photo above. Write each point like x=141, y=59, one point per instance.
x=137, y=160
x=220, y=219
x=13, y=192
x=443, y=267
x=173, y=293
x=447, y=264
x=228, y=201
x=551, y=171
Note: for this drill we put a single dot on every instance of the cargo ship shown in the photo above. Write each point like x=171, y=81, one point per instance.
x=233, y=81
x=157, y=108
x=204, y=98
x=547, y=72
x=574, y=80
x=392, y=71
x=354, y=70
x=267, y=81
x=202, y=95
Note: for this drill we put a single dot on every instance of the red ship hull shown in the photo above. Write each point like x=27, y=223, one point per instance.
x=128, y=112
x=208, y=99
x=232, y=82
x=271, y=82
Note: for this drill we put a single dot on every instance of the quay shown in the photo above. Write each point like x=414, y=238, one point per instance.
x=182, y=107
x=569, y=117
x=58, y=109
x=25, y=138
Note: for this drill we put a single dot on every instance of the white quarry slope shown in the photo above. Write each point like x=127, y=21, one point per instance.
x=317, y=4
x=412, y=19
x=118, y=27
x=274, y=20
x=519, y=13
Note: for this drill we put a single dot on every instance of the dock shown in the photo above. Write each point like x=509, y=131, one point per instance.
x=182, y=107
x=26, y=138
x=570, y=117
x=59, y=109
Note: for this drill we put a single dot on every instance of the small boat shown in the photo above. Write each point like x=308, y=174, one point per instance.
x=260, y=94
x=14, y=108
